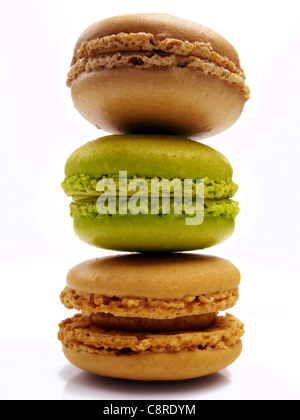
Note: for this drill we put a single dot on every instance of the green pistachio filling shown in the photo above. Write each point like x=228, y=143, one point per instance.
x=80, y=186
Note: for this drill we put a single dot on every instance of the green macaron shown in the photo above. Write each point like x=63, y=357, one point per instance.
x=150, y=193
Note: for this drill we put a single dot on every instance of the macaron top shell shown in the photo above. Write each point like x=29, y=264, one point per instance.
x=149, y=156
x=154, y=276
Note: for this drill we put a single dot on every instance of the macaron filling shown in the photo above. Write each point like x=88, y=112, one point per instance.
x=136, y=324
x=227, y=209
x=80, y=334
x=145, y=50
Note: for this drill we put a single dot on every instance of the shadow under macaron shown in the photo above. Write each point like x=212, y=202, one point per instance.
x=83, y=384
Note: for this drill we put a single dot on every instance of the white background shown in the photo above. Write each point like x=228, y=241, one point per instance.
x=39, y=130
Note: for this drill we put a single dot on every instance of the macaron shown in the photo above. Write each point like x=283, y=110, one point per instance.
x=156, y=73
x=152, y=318
x=150, y=193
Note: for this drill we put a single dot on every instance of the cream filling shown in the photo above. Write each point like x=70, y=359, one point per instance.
x=186, y=323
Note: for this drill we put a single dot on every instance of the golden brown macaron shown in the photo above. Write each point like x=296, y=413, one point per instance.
x=152, y=317
x=156, y=73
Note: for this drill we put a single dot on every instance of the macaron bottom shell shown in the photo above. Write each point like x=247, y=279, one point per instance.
x=151, y=233
x=155, y=366
x=133, y=100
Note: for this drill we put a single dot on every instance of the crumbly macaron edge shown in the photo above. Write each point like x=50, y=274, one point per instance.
x=152, y=61
x=148, y=308
x=79, y=334
x=226, y=208
x=84, y=185
x=147, y=42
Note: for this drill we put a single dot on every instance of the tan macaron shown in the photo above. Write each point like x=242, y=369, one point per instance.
x=152, y=317
x=156, y=73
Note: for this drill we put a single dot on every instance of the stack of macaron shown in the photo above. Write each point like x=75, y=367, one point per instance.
x=159, y=84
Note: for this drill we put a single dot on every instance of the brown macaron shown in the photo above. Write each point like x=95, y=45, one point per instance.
x=152, y=317
x=156, y=73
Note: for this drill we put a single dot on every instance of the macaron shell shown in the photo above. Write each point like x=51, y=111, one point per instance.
x=154, y=276
x=149, y=156
x=199, y=106
x=158, y=366
x=152, y=233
